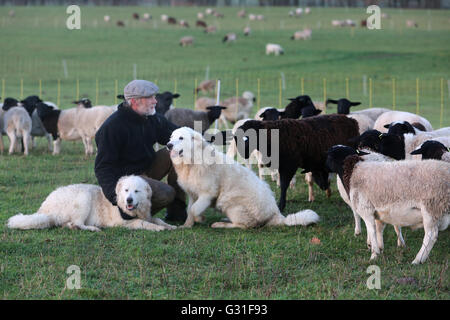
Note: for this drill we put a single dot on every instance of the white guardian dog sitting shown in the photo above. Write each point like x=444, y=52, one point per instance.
x=83, y=206
x=210, y=178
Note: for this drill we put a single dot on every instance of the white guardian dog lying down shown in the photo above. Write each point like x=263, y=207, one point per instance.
x=83, y=206
x=210, y=178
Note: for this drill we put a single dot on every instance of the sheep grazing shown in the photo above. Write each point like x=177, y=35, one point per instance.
x=302, y=144
x=302, y=35
x=408, y=193
x=164, y=17
x=171, y=20
x=165, y=100
x=252, y=17
x=203, y=102
x=200, y=15
x=209, y=11
x=17, y=124
x=272, y=48
x=106, y=18
x=344, y=105
x=218, y=15
x=300, y=106
x=432, y=149
x=206, y=86
x=307, y=10
x=187, y=117
x=186, y=41
x=298, y=12
x=146, y=16
x=242, y=13
x=120, y=23
x=230, y=37
x=200, y=23
x=247, y=31
x=368, y=156
x=338, y=23
x=210, y=29
x=136, y=16
x=260, y=17
x=239, y=108
x=412, y=24
x=184, y=24
x=350, y=23
x=393, y=116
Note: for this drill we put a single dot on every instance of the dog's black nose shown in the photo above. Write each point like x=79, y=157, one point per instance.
x=129, y=200
x=169, y=146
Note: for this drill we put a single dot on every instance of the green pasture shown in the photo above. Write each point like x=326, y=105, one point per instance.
x=202, y=263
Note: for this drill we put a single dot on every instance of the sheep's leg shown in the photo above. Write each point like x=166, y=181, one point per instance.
x=309, y=181
x=56, y=146
x=12, y=141
x=357, y=223
x=379, y=226
x=369, y=220
x=49, y=140
x=431, y=234
x=26, y=141
x=400, y=240
x=231, y=152
x=286, y=175
x=2, y=146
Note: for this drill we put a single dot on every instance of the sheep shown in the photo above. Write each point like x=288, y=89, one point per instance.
x=247, y=31
x=171, y=20
x=411, y=24
x=344, y=106
x=404, y=127
x=392, y=116
x=302, y=143
x=186, y=41
x=200, y=23
x=260, y=17
x=120, y=23
x=435, y=149
x=200, y=15
x=307, y=10
x=146, y=16
x=268, y=114
x=350, y=23
x=230, y=37
x=252, y=17
x=302, y=35
x=187, y=117
x=242, y=13
x=184, y=24
x=298, y=12
x=276, y=49
x=203, y=102
x=237, y=109
x=407, y=193
x=300, y=106
x=206, y=86
x=164, y=17
x=106, y=18
x=368, y=155
x=209, y=11
x=338, y=23
x=17, y=124
x=165, y=100
x=210, y=29
x=135, y=16
x=218, y=15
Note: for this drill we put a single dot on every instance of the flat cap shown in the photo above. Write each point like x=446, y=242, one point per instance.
x=140, y=89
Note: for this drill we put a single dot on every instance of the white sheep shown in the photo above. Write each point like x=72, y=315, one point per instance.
x=364, y=122
x=407, y=193
x=437, y=148
x=186, y=41
x=302, y=35
x=276, y=49
x=247, y=31
x=230, y=37
x=237, y=109
x=392, y=116
x=206, y=86
x=210, y=29
x=17, y=124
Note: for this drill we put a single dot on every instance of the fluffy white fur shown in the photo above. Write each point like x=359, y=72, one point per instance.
x=83, y=206
x=211, y=179
x=392, y=116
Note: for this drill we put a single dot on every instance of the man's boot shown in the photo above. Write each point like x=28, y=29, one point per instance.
x=176, y=211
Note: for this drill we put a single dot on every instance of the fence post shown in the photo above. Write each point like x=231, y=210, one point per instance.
x=442, y=103
x=116, y=90
x=347, y=89
x=393, y=93
x=302, y=86
x=417, y=96
x=175, y=91
x=96, y=92
x=325, y=93
x=195, y=91
x=259, y=92
x=40, y=88
x=3, y=89
x=58, y=93
x=78, y=90
x=21, y=89
x=280, y=93
x=370, y=93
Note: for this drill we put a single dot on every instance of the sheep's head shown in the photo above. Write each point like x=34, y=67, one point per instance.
x=165, y=100
x=431, y=150
x=369, y=139
x=392, y=145
x=9, y=103
x=294, y=109
x=400, y=128
x=85, y=103
x=247, y=137
x=343, y=105
x=336, y=156
x=43, y=110
x=271, y=114
x=214, y=112
x=310, y=112
x=249, y=96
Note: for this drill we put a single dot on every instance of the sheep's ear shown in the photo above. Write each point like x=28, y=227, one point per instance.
x=176, y=95
x=331, y=101
x=317, y=111
x=361, y=153
x=75, y=102
x=222, y=107
x=121, y=96
x=281, y=113
x=387, y=125
x=418, y=151
x=355, y=103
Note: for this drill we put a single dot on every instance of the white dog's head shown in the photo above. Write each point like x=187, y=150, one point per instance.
x=183, y=142
x=134, y=196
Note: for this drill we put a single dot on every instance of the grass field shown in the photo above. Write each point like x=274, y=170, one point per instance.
x=201, y=263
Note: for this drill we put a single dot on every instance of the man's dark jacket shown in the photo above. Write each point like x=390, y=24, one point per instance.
x=125, y=146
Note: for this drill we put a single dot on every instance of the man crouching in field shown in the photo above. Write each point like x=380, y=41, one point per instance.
x=125, y=147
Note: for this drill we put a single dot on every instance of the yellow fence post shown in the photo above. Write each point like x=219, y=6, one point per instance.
x=259, y=94
x=195, y=91
x=347, y=89
x=280, y=94
x=78, y=90
x=175, y=91
x=96, y=92
x=442, y=103
x=40, y=88
x=21, y=89
x=302, y=86
x=417, y=96
x=370, y=93
x=393, y=93
x=325, y=93
x=116, y=90
x=58, y=93
x=237, y=95
x=3, y=89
